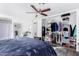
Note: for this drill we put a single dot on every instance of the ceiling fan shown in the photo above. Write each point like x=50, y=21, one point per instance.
x=40, y=11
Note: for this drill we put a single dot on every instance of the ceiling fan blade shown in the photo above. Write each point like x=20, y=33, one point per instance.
x=48, y=9
x=30, y=12
x=43, y=14
x=34, y=8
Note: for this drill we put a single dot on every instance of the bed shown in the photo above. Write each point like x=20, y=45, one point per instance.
x=25, y=46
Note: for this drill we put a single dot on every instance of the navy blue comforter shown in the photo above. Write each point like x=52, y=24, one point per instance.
x=25, y=47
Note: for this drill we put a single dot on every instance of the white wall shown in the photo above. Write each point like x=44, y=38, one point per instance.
x=17, y=13
x=77, y=22
x=26, y=23
x=39, y=28
x=73, y=19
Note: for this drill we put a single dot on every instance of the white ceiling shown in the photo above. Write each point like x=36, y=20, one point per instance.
x=20, y=9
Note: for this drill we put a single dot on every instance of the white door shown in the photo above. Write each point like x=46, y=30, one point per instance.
x=35, y=29
x=4, y=30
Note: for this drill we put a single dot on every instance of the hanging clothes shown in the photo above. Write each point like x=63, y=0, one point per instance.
x=54, y=27
x=74, y=35
x=16, y=33
x=43, y=30
x=72, y=30
x=65, y=29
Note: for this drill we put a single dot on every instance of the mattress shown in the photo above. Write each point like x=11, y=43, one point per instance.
x=25, y=47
